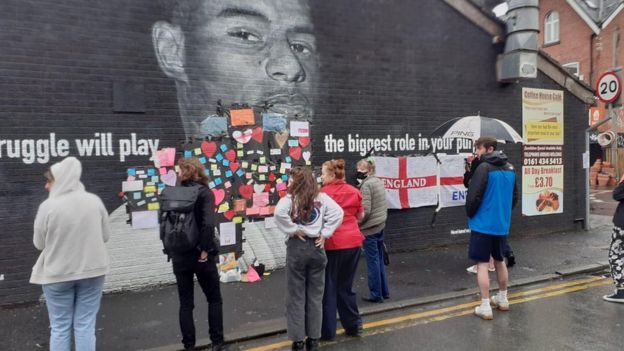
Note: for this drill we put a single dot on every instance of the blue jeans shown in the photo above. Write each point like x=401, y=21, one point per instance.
x=377, y=279
x=73, y=306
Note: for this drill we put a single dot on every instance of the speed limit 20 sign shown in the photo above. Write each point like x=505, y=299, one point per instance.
x=609, y=87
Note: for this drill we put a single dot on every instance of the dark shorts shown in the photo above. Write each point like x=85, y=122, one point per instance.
x=482, y=246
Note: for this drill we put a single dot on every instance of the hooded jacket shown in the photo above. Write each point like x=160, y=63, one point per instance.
x=71, y=228
x=492, y=193
x=348, y=234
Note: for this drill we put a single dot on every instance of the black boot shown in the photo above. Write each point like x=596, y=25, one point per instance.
x=312, y=344
x=298, y=346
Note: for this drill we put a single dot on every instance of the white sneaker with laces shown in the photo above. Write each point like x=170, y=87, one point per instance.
x=485, y=312
x=499, y=302
x=472, y=269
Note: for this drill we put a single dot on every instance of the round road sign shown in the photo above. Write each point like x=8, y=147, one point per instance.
x=609, y=87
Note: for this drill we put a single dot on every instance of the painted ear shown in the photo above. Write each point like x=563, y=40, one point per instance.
x=168, y=41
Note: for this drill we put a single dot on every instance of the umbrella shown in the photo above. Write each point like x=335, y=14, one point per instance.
x=474, y=127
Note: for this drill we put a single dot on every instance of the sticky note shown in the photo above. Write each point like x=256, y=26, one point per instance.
x=227, y=233
x=260, y=199
x=188, y=154
x=216, y=173
x=240, y=173
x=207, y=171
x=281, y=186
x=149, y=195
x=254, y=167
x=308, y=163
x=214, y=167
x=137, y=195
x=140, y=172
x=239, y=145
x=259, y=152
x=285, y=177
x=237, y=220
x=224, y=207
x=153, y=206
x=253, y=211
x=203, y=160
x=218, y=181
x=177, y=169
x=226, y=163
x=276, y=151
x=299, y=128
x=240, y=153
x=223, y=147
x=248, y=175
x=151, y=172
x=293, y=143
x=162, y=171
x=242, y=117
x=245, y=164
x=262, y=178
x=131, y=171
x=272, y=168
x=240, y=205
x=219, y=157
x=197, y=151
x=150, y=189
x=155, y=179
x=136, y=185
x=288, y=159
x=211, y=185
x=228, y=174
x=227, y=185
x=166, y=157
x=263, y=169
x=263, y=160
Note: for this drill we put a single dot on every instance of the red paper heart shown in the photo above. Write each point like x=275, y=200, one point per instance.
x=230, y=155
x=246, y=191
x=304, y=141
x=257, y=134
x=219, y=195
x=282, y=194
x=267, y=188
x=229, y=214
x=271, y=177
x=295, y=153
x=209, y=148
x=234, y=166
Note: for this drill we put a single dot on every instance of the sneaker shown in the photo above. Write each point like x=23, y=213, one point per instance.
x=497, y=301
x=472, y=269
x=617, y=296
x=485, y=312
x=492, y=269
x=298, y=346
x=357, y=332
x=312, y=344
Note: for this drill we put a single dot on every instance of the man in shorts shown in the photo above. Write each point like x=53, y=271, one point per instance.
x=492, y=194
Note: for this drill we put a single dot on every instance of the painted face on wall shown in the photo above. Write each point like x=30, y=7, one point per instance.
x=260, y=52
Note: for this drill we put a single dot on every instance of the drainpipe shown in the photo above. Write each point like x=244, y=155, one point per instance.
x=519, y=61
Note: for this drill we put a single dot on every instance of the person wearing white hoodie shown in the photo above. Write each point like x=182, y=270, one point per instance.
x=71, y=229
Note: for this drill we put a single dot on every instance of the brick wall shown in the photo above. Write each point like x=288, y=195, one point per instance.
x=388, y=68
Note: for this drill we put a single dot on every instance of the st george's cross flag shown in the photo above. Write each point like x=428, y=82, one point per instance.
x=452, y=190
x=409, y=181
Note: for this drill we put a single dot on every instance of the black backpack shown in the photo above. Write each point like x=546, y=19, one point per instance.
x=179, y=230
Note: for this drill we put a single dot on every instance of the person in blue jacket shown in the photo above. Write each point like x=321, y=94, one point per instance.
x=492, y=193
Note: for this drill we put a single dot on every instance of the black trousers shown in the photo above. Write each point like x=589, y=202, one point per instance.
x=208, y=278
x=339, y=295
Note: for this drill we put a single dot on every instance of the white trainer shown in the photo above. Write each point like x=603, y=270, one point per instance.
x=472, y=269
x=497, y=301
x=485, y=312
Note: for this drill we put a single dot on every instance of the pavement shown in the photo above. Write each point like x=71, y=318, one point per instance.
x=148, y=319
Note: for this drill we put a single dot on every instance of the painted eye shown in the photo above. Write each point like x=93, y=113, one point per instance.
x=300, y=48
x=245, y=35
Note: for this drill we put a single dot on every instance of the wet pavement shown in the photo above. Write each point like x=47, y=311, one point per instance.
x=553, y=316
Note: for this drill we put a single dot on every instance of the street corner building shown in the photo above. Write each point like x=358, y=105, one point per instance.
x=115, y=83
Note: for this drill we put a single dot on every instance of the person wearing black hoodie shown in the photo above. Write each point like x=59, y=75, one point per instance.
x=616, y=251
x=200, y=262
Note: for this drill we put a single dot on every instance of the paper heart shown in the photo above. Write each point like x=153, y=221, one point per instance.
x=219, y=195
x=272, y=177
x=246, y=191
x=281, y=139
x=258, y=188
x=306, y=155
x=267, y=187
x=169, y=178
x=234, y=166
x=229, y=214
x=257, y=134
x=242, y=137
x=304, y=141
x=209, y=148
x=230, y=155
x=282, y=194
x=295, y=153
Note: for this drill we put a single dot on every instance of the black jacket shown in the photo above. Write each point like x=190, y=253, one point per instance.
x=478, y=182
x=618, y=195
x=473, y=167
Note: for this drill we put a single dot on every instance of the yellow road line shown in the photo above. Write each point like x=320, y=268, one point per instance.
x=441, y=314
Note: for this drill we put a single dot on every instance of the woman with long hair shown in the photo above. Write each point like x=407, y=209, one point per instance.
x=71, y=229
x=200, y=261
x=308, y=218
x=343, y=253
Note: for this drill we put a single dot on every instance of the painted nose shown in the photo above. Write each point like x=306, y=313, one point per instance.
x=284, y=66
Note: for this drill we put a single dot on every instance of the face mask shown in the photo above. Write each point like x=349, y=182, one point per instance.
x=361, y=175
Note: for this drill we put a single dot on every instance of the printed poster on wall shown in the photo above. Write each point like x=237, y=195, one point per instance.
x=542, y=171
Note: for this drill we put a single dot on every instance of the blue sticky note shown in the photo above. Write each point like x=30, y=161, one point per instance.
x=207, y=171
x=229, y=174
x=219, y=157
x=188, y=153
x=293, y=143
x=151, y=172
x=218, y=181
x=155, y=179
x=226, y=163
x=202, y=160
x=211, y=185
x=288, y=159
x=285, y=177
x=161, y=185
x=240, y=173
x=137, y=195
x=131, y=171
x=274, y=122
x=224, y=147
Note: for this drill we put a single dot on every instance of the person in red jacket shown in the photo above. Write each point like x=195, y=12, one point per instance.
x=343, y=252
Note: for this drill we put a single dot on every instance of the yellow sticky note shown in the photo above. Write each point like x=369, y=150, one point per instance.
x=279, y=181
x=224, y=207
x=214, y=167
x=153, y=206
x=254, y=167
x=263, y=160
x=308, y=163
x=149, y=189
x=237, y=220
x=245, y=164
x=262, y=177
x=198, y=151
x=177, y=169
x=240, y=153
x=239, y=145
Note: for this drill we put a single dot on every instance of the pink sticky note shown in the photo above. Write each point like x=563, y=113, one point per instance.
x=281, y=186
x=163, y=171
x=265, y=211
x=253, y=211
x=166, y=157
x=260, y=199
